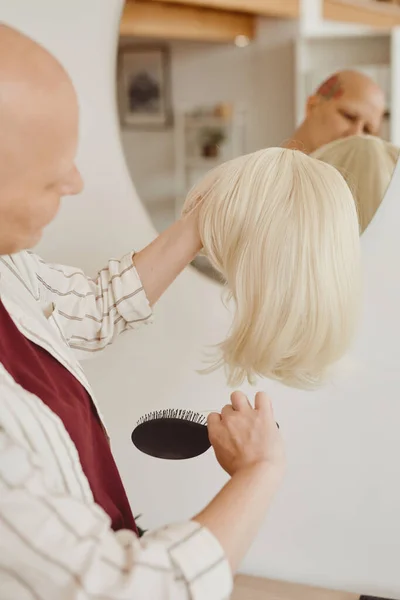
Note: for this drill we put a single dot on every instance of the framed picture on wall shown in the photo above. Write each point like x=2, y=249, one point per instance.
x=144, y=87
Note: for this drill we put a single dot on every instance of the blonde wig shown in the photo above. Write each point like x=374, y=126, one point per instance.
x=282, y=230
x=367, y=164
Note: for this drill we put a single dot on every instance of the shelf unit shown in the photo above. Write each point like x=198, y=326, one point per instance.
x=190, y=165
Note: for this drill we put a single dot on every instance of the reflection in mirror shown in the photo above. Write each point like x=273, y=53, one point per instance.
x=367, y=163
x=187, y=107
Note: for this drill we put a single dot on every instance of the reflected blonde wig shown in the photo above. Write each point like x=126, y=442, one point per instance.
x=367, y=164
x=282, y=229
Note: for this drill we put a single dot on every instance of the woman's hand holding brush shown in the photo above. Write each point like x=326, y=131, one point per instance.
x=249, y=447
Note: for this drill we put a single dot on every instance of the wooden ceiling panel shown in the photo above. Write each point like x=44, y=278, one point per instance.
x=164, y=21
x=364, y=12
x=269, y=8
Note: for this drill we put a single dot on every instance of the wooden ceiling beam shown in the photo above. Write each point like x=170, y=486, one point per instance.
x=159, y=20
x=364, y=12
x=289, y=9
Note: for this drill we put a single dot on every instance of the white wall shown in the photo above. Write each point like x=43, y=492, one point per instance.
x=336, y=520
x=259, y=77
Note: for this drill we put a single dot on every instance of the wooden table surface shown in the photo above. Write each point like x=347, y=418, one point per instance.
x=258, y=588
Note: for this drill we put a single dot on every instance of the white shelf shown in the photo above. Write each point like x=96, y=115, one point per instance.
x=325, y=31
x=197, y=122
x=203, y=163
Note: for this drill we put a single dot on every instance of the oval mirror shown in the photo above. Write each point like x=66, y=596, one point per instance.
x=182, y=115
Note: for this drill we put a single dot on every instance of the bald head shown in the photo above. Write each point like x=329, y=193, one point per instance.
x=25, y=60
x=361, y=92
x=348, y=103
x=354, y=84
x=39, y=128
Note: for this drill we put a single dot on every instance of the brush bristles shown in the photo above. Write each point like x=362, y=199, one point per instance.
x=174, y=413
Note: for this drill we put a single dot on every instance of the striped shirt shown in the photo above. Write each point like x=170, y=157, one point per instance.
x=55, y=542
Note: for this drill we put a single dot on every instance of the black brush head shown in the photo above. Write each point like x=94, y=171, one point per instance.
x=172, y=434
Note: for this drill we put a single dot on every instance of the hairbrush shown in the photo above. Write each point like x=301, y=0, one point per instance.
x=172, y=434
x=372, y=598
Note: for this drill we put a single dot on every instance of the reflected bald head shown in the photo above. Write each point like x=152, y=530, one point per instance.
x=358, y=87
x=39, y=125
x=347, y=103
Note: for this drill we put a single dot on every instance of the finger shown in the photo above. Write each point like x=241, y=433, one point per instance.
x=213, y=427
x=227, y=411
x=213, y=420
x=240, y=401
x=263, y=403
